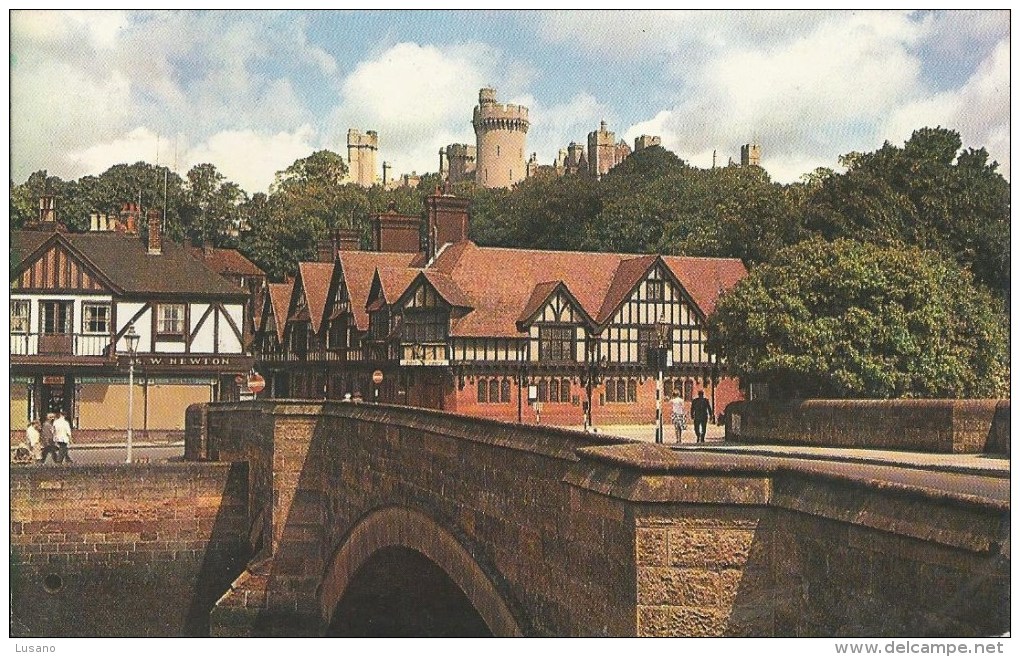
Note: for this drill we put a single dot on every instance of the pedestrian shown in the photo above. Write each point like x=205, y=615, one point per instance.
x=49, y=447
x=33, y=439
x=701, y=410
x=678, y=416
x=62, y=437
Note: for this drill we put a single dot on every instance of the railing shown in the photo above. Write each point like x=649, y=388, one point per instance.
x=319, y=356
x=59, y=344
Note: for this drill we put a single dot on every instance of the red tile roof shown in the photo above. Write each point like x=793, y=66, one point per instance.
x=358, y=269
x=315, y=283
x=279, y=299
x=226, y=261
x=705, y=279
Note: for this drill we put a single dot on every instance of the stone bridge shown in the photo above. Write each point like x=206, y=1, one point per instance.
x=385, y=520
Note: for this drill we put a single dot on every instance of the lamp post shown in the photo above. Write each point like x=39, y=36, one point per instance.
x=661, y=335
x=593, y=372
x=131, y=338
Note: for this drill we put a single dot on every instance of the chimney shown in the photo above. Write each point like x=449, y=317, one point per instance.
x=155, y=239
x=447, y=221
x=396, y=233
x=325, y=248
x=129, y=218
x=348, y=239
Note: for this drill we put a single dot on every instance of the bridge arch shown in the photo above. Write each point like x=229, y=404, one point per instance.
x=398, y=527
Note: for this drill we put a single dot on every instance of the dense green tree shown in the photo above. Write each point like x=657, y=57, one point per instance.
x=851, y=319
x=211, y=213
x=927, y=193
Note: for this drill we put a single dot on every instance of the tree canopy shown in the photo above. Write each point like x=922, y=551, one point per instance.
x=852, y=319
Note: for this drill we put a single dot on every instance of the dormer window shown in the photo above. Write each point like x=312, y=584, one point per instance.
x=424, y=326
x=557, y=343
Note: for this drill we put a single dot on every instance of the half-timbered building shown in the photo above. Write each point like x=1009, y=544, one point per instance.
x=521, y=334
x=74, y=297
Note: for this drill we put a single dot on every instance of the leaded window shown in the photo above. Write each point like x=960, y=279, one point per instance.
x=556, y=343
x=423, y=326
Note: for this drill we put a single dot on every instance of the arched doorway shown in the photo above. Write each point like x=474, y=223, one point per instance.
x=399, y=592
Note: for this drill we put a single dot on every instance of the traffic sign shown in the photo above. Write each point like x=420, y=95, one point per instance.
x=377, y=377
x=256, y=383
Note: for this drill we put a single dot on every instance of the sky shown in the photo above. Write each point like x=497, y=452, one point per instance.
x=253, y=91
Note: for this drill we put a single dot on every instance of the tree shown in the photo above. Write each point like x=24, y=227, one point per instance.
x=211, y=213
x=851, y=319
x=929, y=194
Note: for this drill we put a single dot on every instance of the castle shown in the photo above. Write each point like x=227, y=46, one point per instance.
x=496, y=159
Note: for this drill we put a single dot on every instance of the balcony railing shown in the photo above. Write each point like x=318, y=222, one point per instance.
x=59, y=344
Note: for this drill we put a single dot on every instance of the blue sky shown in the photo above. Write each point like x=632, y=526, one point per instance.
x=253, y=91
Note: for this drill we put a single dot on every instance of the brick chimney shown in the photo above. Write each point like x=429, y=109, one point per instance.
x=155, y=238
x=396, y=233
x=325, y=248
x=348, y=239
x=129, y=218
x=447, y=221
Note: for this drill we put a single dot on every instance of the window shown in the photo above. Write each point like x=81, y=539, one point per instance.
x=170, y=320
x=95, y=318
x=543, y=391
x=554, y=390
x=19, y=316
x=56, y=317
x=421, y=326
x=647, y=339
x=655, y=290
x=620, y=391
x=493, y=391
x=556, y=343
x=688, y=389
x=565, y=390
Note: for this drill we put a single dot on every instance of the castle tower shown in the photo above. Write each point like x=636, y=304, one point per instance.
x=646, y=141
x=601, y=151
x=361, y=154
x=750, y=155
x=500, y=132
x=457, y=162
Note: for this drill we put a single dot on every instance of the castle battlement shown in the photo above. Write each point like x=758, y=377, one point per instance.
x=496, y=112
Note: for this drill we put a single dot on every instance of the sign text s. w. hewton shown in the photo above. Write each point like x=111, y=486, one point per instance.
x=188, y=363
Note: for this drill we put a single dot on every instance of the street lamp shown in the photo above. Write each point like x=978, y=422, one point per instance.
x=131, y=338
x=592, y=376
x=661, y=353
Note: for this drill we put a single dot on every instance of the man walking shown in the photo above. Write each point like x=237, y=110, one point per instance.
x=49, y=448
x=701, y=410
x=62, y=436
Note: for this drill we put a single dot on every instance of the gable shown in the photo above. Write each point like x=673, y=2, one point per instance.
x=58, y=268
x=658, y=294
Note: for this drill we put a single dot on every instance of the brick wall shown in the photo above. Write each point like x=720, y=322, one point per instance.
x=925, y=425
x=116, y=550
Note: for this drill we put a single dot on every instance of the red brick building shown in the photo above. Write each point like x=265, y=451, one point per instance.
x=514, y=334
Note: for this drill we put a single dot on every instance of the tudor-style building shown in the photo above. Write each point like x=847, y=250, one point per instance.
x=515, y=334
x=74, y=296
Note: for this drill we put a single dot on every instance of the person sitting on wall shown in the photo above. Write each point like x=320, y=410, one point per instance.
x=33, y=439
x=678, y=416
x=701, y=410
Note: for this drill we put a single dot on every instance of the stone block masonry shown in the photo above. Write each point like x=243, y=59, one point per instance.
x=947, y=426
x=118, y=550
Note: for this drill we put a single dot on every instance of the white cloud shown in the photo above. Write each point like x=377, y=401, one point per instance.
x=252, y=159
x=979, y=110
x=101, y=28
x=140, y=144
x=416, y=97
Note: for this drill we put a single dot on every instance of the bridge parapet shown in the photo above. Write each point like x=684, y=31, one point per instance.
x=554, y=532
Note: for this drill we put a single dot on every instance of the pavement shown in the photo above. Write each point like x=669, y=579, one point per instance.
x=987, y=465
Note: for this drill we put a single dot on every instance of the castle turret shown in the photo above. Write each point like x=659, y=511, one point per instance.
x=646, y=141
x=601, y=151
x=361, y=155
x=750, y=155
x=500, y=132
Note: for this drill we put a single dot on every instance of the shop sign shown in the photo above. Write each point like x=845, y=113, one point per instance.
x=187, y=363
x=53, y=380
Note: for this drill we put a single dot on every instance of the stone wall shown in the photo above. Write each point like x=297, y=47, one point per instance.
x=555, y=533
x=923, y=425
x=118, y=550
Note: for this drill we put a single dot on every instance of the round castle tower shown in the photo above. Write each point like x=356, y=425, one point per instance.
x=500, y=131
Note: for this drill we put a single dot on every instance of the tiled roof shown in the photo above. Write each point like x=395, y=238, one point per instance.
x=538, y=297
x=500, y=284
x=279, y=298
x=226, y=261
x=705, y=279
x=123, y=259
x=315, y=283
x=359, y=268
